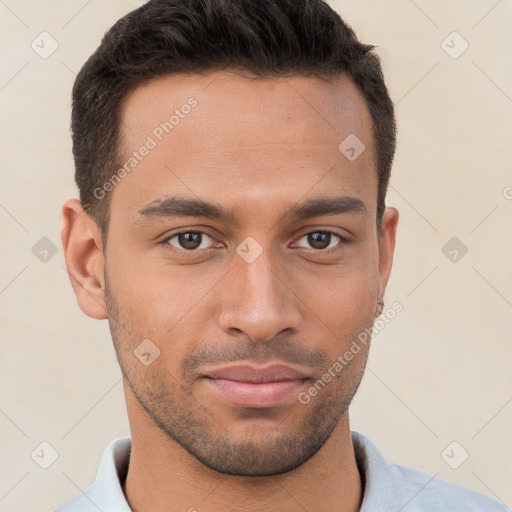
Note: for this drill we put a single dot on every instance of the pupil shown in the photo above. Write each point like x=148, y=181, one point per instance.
x=317, y=240
x=190, y=240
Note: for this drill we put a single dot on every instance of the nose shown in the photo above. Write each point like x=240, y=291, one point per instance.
x=260, y=300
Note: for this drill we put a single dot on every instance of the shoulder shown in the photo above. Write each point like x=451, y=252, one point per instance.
x=79, y=503
x=391, y=486
x=428, y=493
x=106, y=492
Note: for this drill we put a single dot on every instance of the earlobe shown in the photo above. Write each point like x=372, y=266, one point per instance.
x=83, y=252
x=387, y=246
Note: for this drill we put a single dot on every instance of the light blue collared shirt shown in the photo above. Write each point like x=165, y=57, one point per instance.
x=387, y=487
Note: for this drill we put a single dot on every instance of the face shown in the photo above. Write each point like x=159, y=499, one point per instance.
x=275, y=263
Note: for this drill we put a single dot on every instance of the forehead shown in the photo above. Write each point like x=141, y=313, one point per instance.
x=240, y=139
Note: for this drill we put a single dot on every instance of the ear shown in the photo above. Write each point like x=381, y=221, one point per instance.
x=83, y=252
x=387, y=246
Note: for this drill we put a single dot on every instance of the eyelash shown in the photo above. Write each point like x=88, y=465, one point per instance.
x=194, y=252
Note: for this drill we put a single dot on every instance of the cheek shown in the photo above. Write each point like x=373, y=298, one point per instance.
x=156, y=298
x=342, y=296
x=341, y=308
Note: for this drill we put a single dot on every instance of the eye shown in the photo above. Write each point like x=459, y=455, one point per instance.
x=321, y=240
x=187, y=241
x=191, y=242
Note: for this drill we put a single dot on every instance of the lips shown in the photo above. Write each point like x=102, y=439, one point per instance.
x=246, y=373
x=248, y=386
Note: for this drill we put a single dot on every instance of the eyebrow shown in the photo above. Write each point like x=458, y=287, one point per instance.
x=173, y=206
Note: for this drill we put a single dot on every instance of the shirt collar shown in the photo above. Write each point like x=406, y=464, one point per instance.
x=107, y=494
x=380, y=487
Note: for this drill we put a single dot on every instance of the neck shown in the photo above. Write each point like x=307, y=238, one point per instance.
x=162, y=476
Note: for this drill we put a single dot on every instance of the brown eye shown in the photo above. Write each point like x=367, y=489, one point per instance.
x=187, y=240
x=321, y=240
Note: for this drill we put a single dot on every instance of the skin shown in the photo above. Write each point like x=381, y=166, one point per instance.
x=257, y=148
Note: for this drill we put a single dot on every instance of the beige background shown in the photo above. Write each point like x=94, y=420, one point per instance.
x=439, y=372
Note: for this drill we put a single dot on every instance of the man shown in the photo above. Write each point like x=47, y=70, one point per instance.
x=232, y=158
